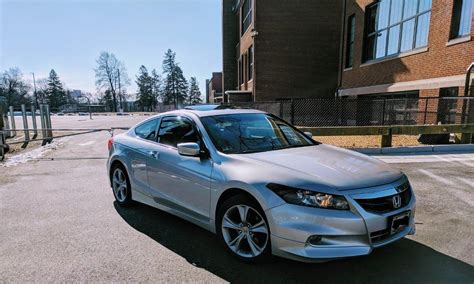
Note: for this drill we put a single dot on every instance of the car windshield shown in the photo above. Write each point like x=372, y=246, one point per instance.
x=250, y=133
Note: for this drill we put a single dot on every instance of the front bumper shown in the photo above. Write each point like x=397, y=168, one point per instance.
x=348, y=233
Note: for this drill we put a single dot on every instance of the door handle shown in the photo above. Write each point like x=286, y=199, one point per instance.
x=155, y=154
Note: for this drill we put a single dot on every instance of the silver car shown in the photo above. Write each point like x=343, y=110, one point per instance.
x=261, y=185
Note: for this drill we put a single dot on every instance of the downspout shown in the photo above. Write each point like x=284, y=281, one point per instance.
x=341, y=48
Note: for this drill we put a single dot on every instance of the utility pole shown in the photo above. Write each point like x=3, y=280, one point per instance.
x=119, y=90
x=34, y=84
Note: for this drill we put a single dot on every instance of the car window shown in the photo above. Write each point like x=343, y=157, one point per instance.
x=250, y=133
x=175, y=130
x=147, y=130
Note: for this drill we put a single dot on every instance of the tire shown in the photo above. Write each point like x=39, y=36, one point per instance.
x=248, y=240
x=121, y=187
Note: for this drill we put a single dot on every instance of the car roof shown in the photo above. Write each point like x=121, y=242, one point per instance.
x=211, y=112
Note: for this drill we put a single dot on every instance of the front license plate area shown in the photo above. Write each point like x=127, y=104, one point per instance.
x=399, y=222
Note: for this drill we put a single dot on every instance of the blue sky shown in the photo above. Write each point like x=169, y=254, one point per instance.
x=68, y=35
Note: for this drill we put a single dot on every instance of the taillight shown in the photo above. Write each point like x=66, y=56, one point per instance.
x=110, y=143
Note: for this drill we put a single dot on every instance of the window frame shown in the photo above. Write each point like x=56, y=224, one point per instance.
x=377, y=32
x=350, y=41
x=246, y=16
x=192, y=122
x=158, y=123
x=250, y=57
x=457, y=17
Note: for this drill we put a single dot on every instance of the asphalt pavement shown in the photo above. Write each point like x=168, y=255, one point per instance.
x=59, y=222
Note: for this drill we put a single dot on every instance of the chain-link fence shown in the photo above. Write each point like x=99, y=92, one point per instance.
x=366, y=111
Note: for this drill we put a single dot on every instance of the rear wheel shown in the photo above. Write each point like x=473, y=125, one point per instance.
x=244, y=230
x=121, y=186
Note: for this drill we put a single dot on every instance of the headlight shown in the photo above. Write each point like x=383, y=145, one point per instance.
x=309, y=198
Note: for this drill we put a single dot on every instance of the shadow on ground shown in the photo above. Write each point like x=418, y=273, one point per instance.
x=403, y=261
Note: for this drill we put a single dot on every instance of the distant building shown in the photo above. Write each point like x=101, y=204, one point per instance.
x=408, y=49
x=214, y=88
x=76, y=93
x=281, y=49
x=207, y=91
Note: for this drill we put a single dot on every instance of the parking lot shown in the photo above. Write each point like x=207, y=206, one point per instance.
x=59, y=222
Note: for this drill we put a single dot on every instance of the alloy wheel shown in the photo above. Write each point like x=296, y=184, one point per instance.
x=245, y=231
x=119, y=184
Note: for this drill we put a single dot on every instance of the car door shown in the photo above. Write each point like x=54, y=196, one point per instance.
x=180, y=182
x=139, y=153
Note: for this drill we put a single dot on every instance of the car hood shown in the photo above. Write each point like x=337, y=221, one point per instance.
x=335, y=167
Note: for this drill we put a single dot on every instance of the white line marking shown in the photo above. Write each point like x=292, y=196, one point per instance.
x=462, y=195
x=466, y=181
x=436, y=177
x=87, y=143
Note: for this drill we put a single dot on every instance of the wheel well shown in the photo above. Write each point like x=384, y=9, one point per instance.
x=230, y=193
x=114, y=164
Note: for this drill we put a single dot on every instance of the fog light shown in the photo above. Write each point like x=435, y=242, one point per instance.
x=315, y=240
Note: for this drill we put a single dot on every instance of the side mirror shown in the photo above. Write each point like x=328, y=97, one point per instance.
x=189, y=149
x=308, y=134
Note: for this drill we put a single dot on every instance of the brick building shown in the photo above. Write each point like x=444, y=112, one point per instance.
x=281, y=49
x=407, y=49
x=214, y=88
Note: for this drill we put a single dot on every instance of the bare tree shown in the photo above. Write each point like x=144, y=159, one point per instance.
x=111, y=75
x=14, y=88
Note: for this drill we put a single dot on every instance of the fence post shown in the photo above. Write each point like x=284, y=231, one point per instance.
x=426, y=110
x=387, y=139
x=292, y=111
x=33, y=119
x=12, y=118
x=48, y=124
x=43, y=125
x=2, y=143
x=25, y=127
x=383, y=110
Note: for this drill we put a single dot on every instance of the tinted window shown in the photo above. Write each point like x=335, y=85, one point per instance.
x=175, y=130
x=249, y=133
x=147, y=130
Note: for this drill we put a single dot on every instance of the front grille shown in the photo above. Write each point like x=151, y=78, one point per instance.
x=385, y=204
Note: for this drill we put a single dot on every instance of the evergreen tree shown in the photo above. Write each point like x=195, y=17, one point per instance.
x=194, y=95
x=55, y=91
x=175, y=85
x=157, y=86
x=145, y=97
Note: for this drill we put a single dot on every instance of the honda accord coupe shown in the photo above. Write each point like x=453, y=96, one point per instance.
x=264, y=187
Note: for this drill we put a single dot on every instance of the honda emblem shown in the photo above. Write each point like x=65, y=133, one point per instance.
x=397, y=201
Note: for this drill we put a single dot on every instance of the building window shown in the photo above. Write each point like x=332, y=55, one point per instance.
x=447, y=106
x=250, y=60
x=350, y=40
x=462, y=18
x=241, y=72
x=246, y=15
x=395, y=26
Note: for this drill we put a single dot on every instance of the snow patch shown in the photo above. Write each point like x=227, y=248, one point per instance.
x=31, y=155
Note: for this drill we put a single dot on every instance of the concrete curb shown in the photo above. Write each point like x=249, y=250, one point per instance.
x=467, y=148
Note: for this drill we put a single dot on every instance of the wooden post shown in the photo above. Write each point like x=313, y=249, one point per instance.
x=12, y=118
x=387, y=139
x=25, y=127
x=33, y=119
x=43, y=125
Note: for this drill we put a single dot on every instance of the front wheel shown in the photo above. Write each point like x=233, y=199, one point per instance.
x=121, y=186
x=244, y=230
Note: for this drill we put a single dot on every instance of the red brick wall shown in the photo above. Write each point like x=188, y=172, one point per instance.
x=297, y=48
x=439, y=61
